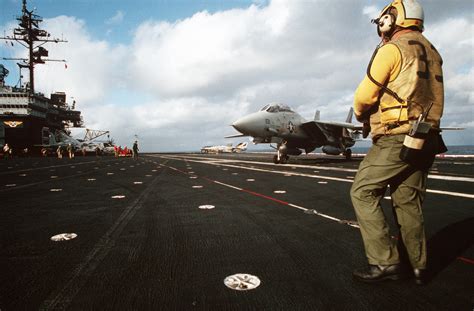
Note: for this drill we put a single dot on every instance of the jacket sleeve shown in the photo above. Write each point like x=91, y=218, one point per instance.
x=385, y=67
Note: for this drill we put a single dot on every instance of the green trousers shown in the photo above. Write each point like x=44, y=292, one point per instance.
x=380, y=169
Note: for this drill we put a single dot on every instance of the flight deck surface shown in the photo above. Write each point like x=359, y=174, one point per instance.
x=165, y=231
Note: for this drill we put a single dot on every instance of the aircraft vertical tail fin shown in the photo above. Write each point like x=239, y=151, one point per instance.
x=317, y=115
x=240, y=147
x=345, y=131
x=349, y=115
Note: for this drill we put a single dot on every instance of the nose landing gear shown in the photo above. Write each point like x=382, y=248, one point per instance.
x=281, y=157
x=348, y=154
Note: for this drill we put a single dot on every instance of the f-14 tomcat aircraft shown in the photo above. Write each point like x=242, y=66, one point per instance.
x=279, y=124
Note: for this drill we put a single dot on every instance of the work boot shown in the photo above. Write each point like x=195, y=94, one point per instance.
x=421, y=276
x=378, y=273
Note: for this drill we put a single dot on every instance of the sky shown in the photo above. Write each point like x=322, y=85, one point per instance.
x=177, y=73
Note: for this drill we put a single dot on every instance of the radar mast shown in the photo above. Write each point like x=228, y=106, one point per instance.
x=29, y=35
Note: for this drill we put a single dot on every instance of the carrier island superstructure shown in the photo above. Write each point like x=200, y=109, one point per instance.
x=27, y=117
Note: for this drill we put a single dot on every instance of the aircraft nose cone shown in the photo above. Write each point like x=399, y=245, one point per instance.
x=249, y=125
x=244, y=125
x=239, y=125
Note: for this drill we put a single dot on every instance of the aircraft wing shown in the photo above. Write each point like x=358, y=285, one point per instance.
x=359, y=128
x=452, y=128
x=313, y=131
x=236, y=135
x=323, y=132
x=340, y=124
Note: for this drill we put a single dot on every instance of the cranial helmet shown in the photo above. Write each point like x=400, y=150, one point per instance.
x=409, y=14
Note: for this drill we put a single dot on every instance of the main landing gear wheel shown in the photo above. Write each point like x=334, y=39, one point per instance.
x=348, y=154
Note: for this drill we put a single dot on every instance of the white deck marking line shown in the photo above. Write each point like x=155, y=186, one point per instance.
x=196, y=159
x=298, y=207
x=273, y=171
x=455, y=194
x=450, y=193
x=451, y=178
x=327, y=168
x=321, y=214
x=227, y=185
x=285, y=172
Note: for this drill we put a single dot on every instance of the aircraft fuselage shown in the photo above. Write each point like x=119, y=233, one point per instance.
x=263, y=125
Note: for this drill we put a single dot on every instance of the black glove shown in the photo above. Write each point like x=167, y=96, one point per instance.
x=365, y=129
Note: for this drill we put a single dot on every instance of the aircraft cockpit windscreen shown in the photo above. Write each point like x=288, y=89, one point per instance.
x=285, y=108
x=265, y=107
x=276, y=108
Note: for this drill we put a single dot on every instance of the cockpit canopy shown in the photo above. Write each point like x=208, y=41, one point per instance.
x=276, y=107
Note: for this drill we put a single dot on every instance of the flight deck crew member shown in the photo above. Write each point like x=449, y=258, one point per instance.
x=403, y=80
x=135, y=150
x=70, y=151
x=7, y=151
x=59, y=151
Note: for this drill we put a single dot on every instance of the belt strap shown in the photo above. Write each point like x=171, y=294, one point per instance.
x=394, y=107
x=391, y=126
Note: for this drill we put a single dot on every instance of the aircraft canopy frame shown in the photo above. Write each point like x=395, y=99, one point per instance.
x=277, y=107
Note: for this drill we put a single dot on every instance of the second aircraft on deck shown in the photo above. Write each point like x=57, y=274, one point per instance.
x=279, y=124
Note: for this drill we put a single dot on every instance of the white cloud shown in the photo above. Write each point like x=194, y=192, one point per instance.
x=453, y=37
x=222, y=52
x=93, y=67
x=116, y=19
x=200, y=53
x=371, y=11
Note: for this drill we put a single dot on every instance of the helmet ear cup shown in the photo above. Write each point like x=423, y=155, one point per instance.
x=386, y=23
